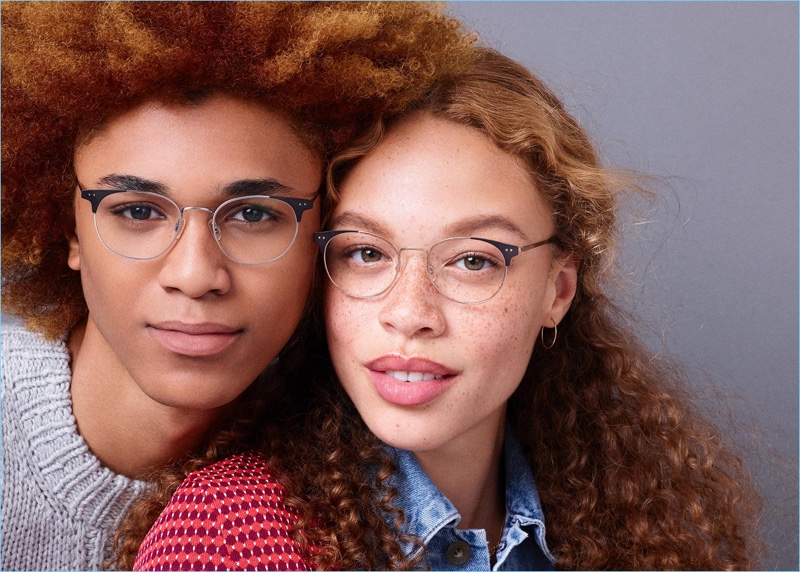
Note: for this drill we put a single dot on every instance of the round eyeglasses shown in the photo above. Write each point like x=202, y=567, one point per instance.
x=464, y=270
x=142, y=225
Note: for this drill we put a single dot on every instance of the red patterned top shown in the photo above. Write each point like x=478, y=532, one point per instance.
x=227, y=516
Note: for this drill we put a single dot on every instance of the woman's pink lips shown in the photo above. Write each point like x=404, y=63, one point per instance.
x=398, y=363
x=194, y=340
x=409, y=393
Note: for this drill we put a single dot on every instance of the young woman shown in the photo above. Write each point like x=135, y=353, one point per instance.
x=161, y=170
x=511, y=419
x=470, y=320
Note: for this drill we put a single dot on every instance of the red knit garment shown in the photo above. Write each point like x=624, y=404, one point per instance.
x=227, y=516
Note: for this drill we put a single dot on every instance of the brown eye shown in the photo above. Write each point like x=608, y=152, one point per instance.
x=370, y=255
x=474, y=262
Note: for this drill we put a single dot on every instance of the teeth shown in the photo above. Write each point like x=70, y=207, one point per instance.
x=412, y=375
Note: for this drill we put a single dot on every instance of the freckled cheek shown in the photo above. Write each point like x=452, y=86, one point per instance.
x=343, y=325
x=499, y=343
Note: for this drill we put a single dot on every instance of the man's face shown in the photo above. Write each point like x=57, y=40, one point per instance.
x=191, y=327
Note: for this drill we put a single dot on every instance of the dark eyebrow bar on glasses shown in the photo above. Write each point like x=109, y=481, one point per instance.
x=299, y=206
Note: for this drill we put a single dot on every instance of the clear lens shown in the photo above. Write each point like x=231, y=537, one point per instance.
x=255, y=230
x=467, y=270
x=360, y=264
x=464, y=270
x=137, y=225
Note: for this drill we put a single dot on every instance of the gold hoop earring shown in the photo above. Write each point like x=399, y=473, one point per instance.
x=555, y=337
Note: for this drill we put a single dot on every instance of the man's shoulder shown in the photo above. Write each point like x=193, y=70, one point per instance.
x=27, y=354
x=242, y=470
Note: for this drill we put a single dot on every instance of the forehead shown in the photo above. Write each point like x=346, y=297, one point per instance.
x=431, y=175
x=180, y=145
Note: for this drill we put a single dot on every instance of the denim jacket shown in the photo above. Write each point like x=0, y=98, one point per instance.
x=433, y=518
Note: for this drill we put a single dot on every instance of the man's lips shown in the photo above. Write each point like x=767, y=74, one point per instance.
x=194, y=339
x=409, y=381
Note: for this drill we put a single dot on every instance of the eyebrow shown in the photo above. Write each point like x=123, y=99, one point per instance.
x=356, y=221
x=132, y=183
x=256, y=187
x=473, y=226
x=240, y=188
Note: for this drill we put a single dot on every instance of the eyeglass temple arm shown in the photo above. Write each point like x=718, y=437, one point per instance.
x=509, y=251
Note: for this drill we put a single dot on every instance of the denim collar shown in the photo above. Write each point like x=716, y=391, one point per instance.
x=428, y=510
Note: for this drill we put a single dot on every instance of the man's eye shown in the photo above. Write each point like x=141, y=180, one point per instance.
x=138, y=212
x=253, y=214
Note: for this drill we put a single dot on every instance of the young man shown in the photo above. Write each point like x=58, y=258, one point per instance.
x=161, y=170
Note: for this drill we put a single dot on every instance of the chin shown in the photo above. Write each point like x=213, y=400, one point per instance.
x=399, y=439
x=191, y=401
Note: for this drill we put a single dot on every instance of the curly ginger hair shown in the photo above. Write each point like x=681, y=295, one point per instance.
x=66, y=66
x=630, y=474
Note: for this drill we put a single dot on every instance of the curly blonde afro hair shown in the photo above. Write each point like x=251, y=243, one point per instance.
x=66, y=66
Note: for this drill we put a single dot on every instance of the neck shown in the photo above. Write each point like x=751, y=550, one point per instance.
x=469, y=473
x=130, y=433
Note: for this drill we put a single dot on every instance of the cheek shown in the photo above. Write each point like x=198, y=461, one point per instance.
x=278, y=294
x=346, y=324
x=502, y=339
x=338, y=317
x=118, y=295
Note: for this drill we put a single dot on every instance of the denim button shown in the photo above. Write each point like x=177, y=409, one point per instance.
x=458, y=553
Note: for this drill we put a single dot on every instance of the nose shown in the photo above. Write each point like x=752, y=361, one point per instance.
x=195, y=265
x=412, y=306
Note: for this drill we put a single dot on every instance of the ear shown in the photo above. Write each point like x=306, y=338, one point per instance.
x=74, y=256
x=565, y=283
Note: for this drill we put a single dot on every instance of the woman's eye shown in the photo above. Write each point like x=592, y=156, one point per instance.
x=367, y=255
x=473, y=262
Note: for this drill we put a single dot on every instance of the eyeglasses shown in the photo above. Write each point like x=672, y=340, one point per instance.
x=465, y=270
x=252, y=230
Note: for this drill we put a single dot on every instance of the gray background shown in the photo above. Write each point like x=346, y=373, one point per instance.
x=703, y=96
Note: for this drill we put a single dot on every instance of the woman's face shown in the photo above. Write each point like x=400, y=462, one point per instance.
x=191, y=327
x=428, y=180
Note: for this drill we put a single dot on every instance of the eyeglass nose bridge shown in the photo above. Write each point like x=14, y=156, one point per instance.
x=429, y=270
x=180, y=225
x=212, y=223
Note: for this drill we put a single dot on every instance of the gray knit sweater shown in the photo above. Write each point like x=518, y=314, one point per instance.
x=60, y=505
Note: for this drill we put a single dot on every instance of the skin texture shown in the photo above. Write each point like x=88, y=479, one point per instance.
x=431, y=179
x=137, y=380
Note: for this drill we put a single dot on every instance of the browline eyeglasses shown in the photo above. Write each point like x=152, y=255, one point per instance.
x=142, y=225
x=468, y=270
